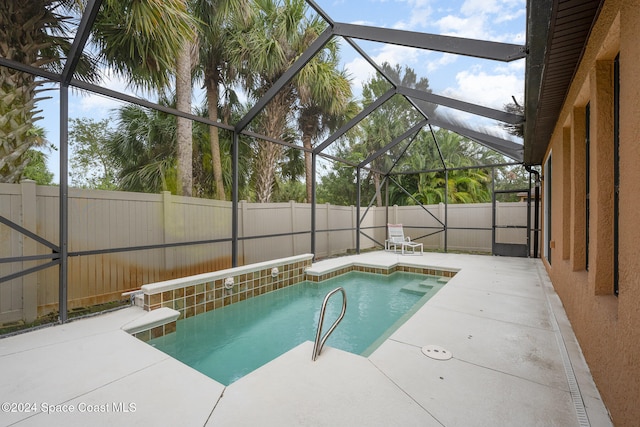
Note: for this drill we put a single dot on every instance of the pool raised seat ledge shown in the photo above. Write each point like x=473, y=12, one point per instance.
x=153, y=324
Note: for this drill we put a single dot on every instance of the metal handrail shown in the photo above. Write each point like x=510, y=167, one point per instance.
x=317, y=346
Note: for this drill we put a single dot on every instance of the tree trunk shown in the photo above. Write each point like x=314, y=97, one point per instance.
x=213, y=93
x=184, y=126
x=269, y=153
x=308, y=164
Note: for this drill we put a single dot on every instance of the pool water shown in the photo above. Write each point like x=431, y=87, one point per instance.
x=228, y=343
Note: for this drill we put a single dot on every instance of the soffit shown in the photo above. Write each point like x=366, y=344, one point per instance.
x=557, y=33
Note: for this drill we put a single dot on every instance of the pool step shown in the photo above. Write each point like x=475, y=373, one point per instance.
x=419, y=288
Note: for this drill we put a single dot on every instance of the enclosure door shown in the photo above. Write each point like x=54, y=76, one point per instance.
x=511, y=229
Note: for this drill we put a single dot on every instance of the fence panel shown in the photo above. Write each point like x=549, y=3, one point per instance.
x=11, y=308
x=464, y=216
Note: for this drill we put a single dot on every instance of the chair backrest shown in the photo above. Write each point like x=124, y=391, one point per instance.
x=396, y=233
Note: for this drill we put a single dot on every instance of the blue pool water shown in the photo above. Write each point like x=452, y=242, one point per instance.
x=228, y=343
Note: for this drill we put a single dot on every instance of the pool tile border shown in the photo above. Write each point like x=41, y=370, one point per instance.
x=433, y=271
x=156, y=332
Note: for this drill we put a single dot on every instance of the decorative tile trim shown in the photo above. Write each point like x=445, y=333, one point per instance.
x=433, y=271
x=205, y=292
x=156, y=332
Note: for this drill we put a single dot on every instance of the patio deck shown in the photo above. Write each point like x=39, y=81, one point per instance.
x=515, y=362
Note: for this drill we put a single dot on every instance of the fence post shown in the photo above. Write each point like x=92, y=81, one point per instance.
x=328, y=233
x=292, y=207
x=441, y=216
x=353, y=226
x=29, y=247
x=167, y=229
x=242, y=217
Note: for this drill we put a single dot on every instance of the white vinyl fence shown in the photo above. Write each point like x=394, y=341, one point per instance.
x=106, y=221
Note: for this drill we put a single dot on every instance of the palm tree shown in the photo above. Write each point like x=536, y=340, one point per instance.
x=218, y=20
x=143, y=155
x=203, y=166
x=278, y=33
x=324, y=95
x=143, y=149
x=139, y=40
x=463, y=185
x=184, y=127
x=159, y=35
x=35, y=33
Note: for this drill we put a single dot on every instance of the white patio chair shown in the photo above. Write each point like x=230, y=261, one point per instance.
x=397, y=238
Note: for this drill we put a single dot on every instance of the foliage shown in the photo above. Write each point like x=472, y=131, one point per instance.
x=324, y=101
x=289, y=190
x=278, y=33
x=137, y=39
x=140, y=40
x=35, y=33
x=511, y=178
x=218, y=20
x=515, y=108
x=338, y=186
x=90, y=163
x=377, y=129
x=142, y=148
x=292, y=164
x=420, y=173
x=34, y=160
x=203, y=174
x=37, y=169
x=452, y=152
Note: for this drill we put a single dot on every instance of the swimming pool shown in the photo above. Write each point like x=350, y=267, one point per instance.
x=228, y=343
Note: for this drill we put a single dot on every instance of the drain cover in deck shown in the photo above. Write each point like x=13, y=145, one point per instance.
x=436, y=352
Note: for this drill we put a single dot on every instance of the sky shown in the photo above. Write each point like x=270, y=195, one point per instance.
x=484, y=82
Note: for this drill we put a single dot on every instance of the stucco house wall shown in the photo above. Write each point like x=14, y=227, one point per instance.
x=607, y=326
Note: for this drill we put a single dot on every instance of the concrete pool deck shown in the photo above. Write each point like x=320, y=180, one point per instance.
x=515, y=362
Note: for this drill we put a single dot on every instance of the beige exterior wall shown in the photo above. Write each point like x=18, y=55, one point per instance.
x=607, y=326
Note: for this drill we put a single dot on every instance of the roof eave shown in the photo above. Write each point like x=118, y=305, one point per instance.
x=557, y=34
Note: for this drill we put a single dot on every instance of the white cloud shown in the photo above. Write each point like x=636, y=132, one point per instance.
x=361, y=71
x=366, y=23
x=480, y=7
x=98, y=106
x=483, y=20
x=512, y=67
x=419, y=16
x=472, y=27
x=397, y=55
x=506, y=17
x=490, y=90
x=444, y=60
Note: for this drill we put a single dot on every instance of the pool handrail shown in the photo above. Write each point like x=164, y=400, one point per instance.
x=318, y=344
